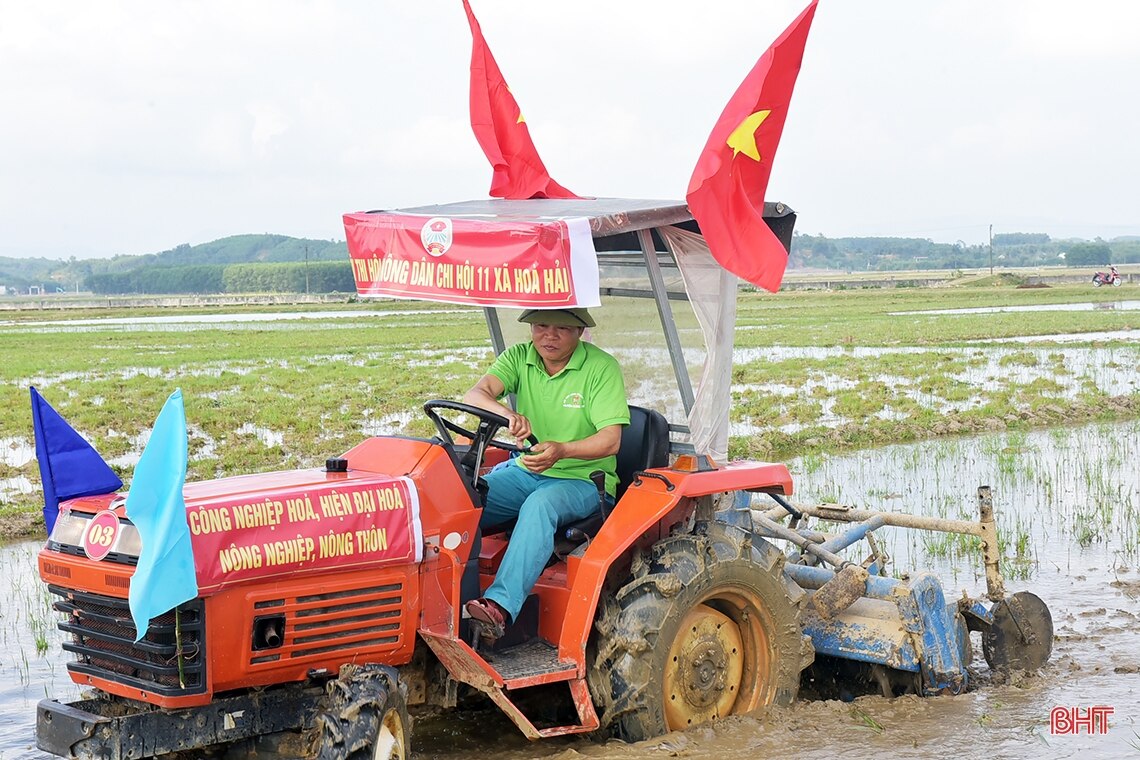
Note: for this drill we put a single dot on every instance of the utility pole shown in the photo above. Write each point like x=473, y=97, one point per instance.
x=991, y=250
x=307, y=268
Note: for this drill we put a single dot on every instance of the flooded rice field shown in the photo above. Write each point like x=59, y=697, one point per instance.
x=1098, y=336
x=1098, y=306
x=1068, y=503
x=794, y=388
x=787, y=389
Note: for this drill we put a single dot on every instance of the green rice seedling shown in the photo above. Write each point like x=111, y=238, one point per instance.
x=1040, y=390
x=1019, y=358
x=866, y=399
x=831, y=495
x=936, y=544
x=1134, y=743
x=1085, y=531
x=24, y=668
x=810, y=463
x=1057, y=363
x=1020, y=564
x=865, y=720
x=800, y=410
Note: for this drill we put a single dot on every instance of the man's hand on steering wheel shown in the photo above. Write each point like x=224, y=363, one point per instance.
x=490, y=422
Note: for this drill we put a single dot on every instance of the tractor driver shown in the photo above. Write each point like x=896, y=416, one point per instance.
x=571, y=396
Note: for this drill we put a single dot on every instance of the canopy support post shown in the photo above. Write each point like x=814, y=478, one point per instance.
x=665, y=312
x=495, y=329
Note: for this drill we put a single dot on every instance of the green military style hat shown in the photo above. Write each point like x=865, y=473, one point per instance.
x=561, y=317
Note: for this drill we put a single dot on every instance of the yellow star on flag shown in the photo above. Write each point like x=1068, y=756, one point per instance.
x=743, y=138
x=520, y=119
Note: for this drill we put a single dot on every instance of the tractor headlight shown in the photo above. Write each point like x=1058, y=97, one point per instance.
x=70, y=528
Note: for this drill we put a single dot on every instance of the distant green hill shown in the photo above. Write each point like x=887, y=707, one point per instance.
x=179, y=262
x=236, y=249
x=19, y=274
x=251, y=249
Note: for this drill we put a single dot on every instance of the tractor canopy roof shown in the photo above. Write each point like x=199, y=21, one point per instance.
x=554, y=238
x=637, y=259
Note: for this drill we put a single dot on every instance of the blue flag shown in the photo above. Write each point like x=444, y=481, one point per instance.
x=69, y=466
x=165, y=576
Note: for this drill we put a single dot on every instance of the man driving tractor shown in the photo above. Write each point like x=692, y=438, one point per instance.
x=571, y=397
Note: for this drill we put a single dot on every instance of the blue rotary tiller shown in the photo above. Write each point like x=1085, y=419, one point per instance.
x=904, y=631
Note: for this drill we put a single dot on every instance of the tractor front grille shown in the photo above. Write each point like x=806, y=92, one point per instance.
x=362, y=621
x=170, y=660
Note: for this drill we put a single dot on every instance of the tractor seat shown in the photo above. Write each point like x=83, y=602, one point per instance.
x=644, y=444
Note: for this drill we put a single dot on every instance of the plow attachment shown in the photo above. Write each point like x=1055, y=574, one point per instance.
x=906, y=625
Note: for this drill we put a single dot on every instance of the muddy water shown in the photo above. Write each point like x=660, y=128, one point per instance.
x=1069, y=510
x=27, y=674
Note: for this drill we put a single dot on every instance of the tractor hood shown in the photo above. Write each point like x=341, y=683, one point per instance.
x=266, y=525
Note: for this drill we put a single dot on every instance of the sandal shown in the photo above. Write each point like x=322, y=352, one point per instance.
x=491, y=617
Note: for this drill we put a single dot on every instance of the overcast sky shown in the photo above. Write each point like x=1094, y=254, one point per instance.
x=132, y=127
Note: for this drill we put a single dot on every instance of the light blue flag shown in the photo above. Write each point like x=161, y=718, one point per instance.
x=164, y=577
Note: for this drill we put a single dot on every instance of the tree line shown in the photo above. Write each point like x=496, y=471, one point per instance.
x=285, y=277
x=1009, y=250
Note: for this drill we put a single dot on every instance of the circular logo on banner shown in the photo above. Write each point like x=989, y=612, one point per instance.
x=100, y=535
x=436, y=235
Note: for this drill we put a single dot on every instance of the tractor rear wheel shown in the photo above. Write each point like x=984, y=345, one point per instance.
x=366, y=718
x=709, y=626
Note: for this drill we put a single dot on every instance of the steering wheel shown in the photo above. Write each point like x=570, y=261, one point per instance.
x=490, y=423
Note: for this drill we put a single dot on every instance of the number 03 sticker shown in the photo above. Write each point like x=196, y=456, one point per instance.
x=100, y=535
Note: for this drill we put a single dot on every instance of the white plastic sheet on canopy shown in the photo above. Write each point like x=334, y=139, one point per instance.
x=712, y=293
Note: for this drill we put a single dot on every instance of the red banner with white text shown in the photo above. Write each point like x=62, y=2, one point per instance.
x=549, y=264
x=305, y=530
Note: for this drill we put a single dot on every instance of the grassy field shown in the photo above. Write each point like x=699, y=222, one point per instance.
x=818, y=372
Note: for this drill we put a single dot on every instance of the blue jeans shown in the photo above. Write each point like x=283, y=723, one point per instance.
x=541, y=504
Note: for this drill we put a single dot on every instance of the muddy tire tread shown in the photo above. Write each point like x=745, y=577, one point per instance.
x=679, y=569
x=356, y=703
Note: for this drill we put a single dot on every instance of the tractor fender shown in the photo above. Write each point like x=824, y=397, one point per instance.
x=655, y=502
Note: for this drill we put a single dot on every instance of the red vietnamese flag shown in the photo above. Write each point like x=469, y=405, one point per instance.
x=726, y=191
x=499, y=127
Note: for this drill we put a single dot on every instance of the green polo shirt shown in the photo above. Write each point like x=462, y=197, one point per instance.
x=586, y=396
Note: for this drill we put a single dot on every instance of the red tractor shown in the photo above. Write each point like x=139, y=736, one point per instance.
x=330, y=599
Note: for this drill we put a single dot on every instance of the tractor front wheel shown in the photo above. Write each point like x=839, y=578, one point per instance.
x=708, y=627
x=366, y=718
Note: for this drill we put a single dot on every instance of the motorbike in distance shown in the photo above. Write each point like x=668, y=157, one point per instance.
x=1111, y=277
